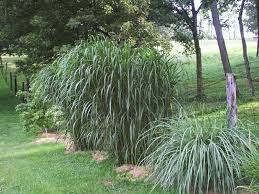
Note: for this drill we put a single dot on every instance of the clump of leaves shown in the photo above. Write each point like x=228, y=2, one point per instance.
x=37, y=115
x=110, y=94
x=196, y=155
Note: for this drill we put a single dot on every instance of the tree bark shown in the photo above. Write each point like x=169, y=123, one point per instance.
x=1, y=61
x=257, y=10
x=245, y=55
x=192, y=23
x=200, y=89
x=231, y=100
x=220, y=38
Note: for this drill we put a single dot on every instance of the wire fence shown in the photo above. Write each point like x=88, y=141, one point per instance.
x=15, y=80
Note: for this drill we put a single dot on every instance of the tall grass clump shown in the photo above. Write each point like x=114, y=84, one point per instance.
x=250, y=174
x=197, y=155
x=110, y=94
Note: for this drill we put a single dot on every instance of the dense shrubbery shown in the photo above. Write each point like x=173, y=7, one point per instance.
x=110, y=94
x=37, y=115
x=197, y=156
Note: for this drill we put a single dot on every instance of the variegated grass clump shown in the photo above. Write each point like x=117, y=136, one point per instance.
x=110, y=94
x=196, y=156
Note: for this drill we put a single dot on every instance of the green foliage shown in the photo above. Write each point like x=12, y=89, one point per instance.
x=37, y=116
x=197, y=156
x=37, y=28
x=250, y=172
x=177, y=23
x=26, y=67
x=110, y=93
x=251, y=20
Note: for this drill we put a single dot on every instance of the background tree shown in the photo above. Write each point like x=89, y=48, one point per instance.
x=220, y=37
x=244, y=45
x=257, y=16
x=224, y=5
x=39, y=29
x=252, y=21
x=182, y=16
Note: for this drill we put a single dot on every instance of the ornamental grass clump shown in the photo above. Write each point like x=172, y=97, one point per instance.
x=197, y=156
x=110, y=94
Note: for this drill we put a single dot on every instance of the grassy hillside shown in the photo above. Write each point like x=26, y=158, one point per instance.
x=213, y=73
x=215, y=86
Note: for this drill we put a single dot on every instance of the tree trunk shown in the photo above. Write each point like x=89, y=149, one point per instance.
x=257, y=10
x=1, y=61
x=194, y=28
x=220, y=38
x=200, y=89
x=245, y=55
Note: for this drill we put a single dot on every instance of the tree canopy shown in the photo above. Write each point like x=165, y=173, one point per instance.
x=39, y=29
x=251, y=20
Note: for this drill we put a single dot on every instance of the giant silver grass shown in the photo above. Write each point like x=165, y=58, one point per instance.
x=110, y=94
x=196, y=155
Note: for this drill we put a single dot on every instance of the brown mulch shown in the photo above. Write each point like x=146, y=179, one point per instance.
x=136, y=172
x=99, y=156
x=45, y=138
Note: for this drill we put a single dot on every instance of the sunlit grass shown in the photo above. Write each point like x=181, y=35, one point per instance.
x=213, y=74
x=28, y=168
x=46, y=169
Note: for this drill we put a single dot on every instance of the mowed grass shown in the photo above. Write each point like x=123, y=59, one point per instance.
x=27, y=168
x=214, y=80
x=34, y=169
x=214, y=103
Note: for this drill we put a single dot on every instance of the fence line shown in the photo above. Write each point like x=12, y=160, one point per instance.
x=12, y=79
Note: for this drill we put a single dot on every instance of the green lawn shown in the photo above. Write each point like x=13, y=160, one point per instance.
x=214, y=83
x=34, y=169
x=213, y=74
x=27, y=168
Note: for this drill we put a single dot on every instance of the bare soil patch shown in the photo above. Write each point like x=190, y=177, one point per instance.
x=45, y=138
x=99, y=156
x=136, y=172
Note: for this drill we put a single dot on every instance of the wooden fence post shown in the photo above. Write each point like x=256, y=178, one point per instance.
x=27, y=84
x=23, y=89
x=2, y=69
x=15, y=85
x=1, y=61
x=231, y=100
x=5, y=77
x=11, y=81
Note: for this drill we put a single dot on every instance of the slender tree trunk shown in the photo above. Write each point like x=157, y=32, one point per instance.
x=200, y=89
x=220, y=38
x=245, y=55
x=257, y=10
